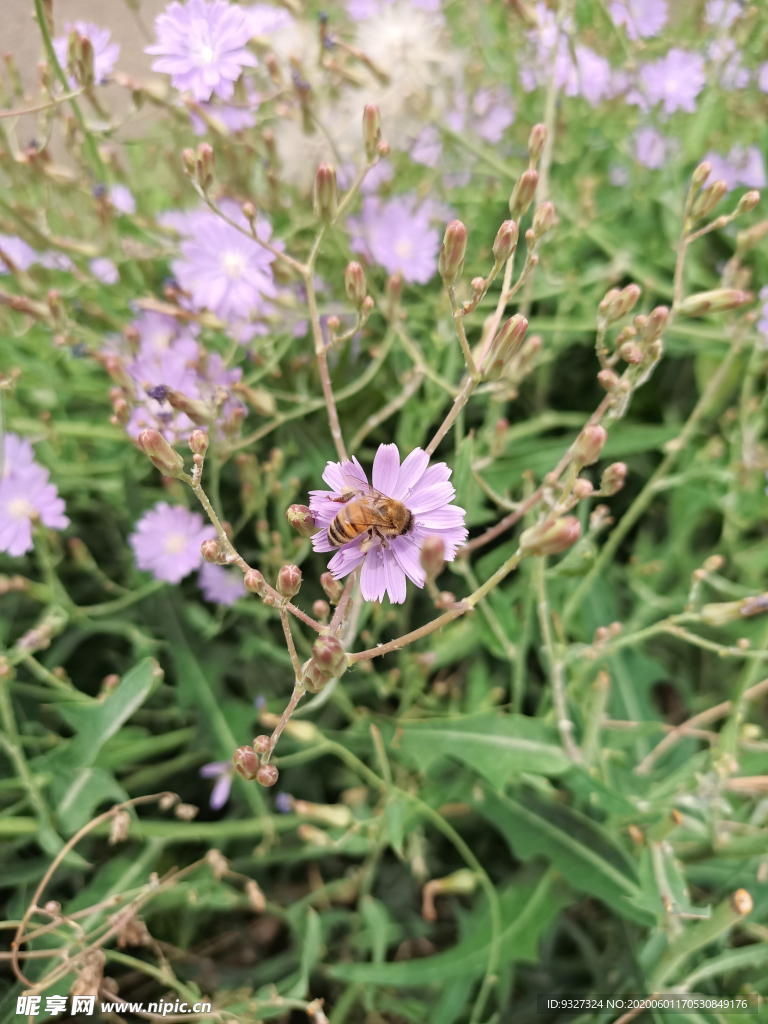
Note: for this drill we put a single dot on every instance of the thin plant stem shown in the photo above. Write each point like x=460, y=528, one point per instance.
x=290, y=644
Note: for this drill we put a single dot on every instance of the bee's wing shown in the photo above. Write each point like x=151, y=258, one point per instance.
x=357, y=488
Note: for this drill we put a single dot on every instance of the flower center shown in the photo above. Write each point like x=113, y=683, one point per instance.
x=175, y=543
x=404, y=248
x=234, y=265
x=672, y=85
x=20, y=508
x=206, y=55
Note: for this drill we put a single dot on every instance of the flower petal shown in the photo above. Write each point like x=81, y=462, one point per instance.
x=413, y=468
x=220, y=793
x=373, y=578
x=406, y=552
x=396, y=588
x=386, y=468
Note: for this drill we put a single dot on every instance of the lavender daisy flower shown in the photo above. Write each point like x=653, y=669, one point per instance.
x=202, y=46
x=21, y=255
x=222, y=772
x=104, y=270
x=56, y=261
x=105, y=53
x=220, y=585
x=427, y=147
x=722, y=13
x=387, y=561
x=167, y=541
x=18, y=455
x=223, y=270
x=493, y=112
x=674, y=80
x=264, y=19
x=744, y=165
x=650, y=148
x=234, y=118
x=640, y=18
x=122, y=199
x=398, y=236
x=26, y=496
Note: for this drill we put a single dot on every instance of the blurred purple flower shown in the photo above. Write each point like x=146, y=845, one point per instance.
x=122, y=199
x=650, y=147
x=618, y=176
x=376, y=177
x=283, y=803
x=721, y=13
x=674, y=80
x=223, y=772
x=220, y=585
x=105, y=54
x=259, y=701
x=762, y=77
x=202, y=46
x=589, y=75
x=427, y=147
x=104, y=270
x=386, y=562
x=397, y=235
x=640, y=18
x=365, y=10
x=733, y=74
x=264, y=19
x=18, y=252
x=223, y=270
x=167, y=541
x=235, y=118
x=744, y=165
x=56, y=261
x=18, y=455
x=762, y=323
x=26, y=496
x=493, y=111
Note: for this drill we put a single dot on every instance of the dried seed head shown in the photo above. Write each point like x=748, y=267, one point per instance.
x=589, y=444
x=326, y=193
x=452, y=252
x=550, y=538
x=218, y=864
x=118, y=831
x=160, y=453
x=505, y=242
x=256, y=897
x=613, y=478
x=302, y=520
x=267, y=775
x=289, y=581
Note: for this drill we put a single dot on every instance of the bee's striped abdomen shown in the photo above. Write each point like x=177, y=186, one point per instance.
x=339, y=533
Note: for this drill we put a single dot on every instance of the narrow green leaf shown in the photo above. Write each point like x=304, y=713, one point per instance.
x=395, y=834
x=310, y=954
x=462, y=472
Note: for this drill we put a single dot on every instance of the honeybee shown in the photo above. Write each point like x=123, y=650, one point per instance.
x=367, y=510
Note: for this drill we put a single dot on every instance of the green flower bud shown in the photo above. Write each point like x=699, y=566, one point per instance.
x=543, y=220
x=523, y=193
x=355, y=283
x=205, y=166
x=326, y=193
x=751, y=237
x=589, y=444
x=536, y=142
x=371, y=130
x=716, y=301
x=198, y=442
x=302, y=520
x=655, y=324
x=505, y=242
x=551, y=538
x=708, y=199
x=329, y=657
x=332, y=587
x=701, y=174
x=613, y=478
x=748, y=202
x=505, y=345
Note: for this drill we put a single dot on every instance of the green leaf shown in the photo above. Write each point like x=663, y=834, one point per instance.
x=394, y=815
x=572, y=843
x=79, y=792
x=527, y=911
x=462, y=472
x=496, y=746
x=377, y=922
x=310, y=954
x=95, y=723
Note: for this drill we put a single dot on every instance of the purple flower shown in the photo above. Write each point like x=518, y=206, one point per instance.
x=104, y=270
x=762, y=77
x=721, y=13
x=378, y=175
x=56, y=261
x=590, y=75
x=427, y=147
x=234, y=118
x=222, y=771
x=167, y=541
x=650, y=148
x=260, y=702
x=223, y=270
x=674, y=80
x=122, y=199
x=21, y=255
x=743, y=166
x=283, y=803
x=19, y=456
x=398, y=236
x=365, y=10
x=26, y=496
x=640, y=18
x=105, y=54
x=493, y=111
x=220, y=585
x=618, y=176
x=264, y=19
x=202, y=46
x=386, y=561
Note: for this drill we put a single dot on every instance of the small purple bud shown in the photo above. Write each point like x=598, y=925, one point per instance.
x=329, y=657
x=452, y=252
x=589, y=444
x=261, y=744
x=211, y=552
x=631, y=353
x=302, y=520
x=283, y=803
x=505, y=242
x=246, y=763
x=551, y=538
x=160, y=453
x=289, y=581
x=654, y=325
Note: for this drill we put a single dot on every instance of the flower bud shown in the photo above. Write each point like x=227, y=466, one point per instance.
x=708, y=199
x=198, y=442
x=354, y=282
x=701, y=174
x=747, y=240
x=289, y=581
x=631, y=353
x=617, y=304
x=326, y=193
x=160, y=453
x=371, y=130
x=505, y=242
x=613, y=478
x=748, y=202
x=329, y=656
x=368, y=305
x=188, y=160
x=312, y=679
x=383, y=148
x=198, y=411
x=550, y=538
x=432, y=556
x=655, y=324
x=536, y=142
x=254, y=582
x=302, y=520
x=589, y=444
x=505, y=345
x=332, y=587
x=246, y=763
x=261, y=744
x=249, y=211
x=211, y=552
x=85, y=70
x=582, y=489
x=716, y=301
x=321, y=610
x=607, y=379
x=74, y=41
x=267, y=775
x=394, y=292
x=523, y=193
x=543, y=219
x=452, y=252
x=205, y=166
